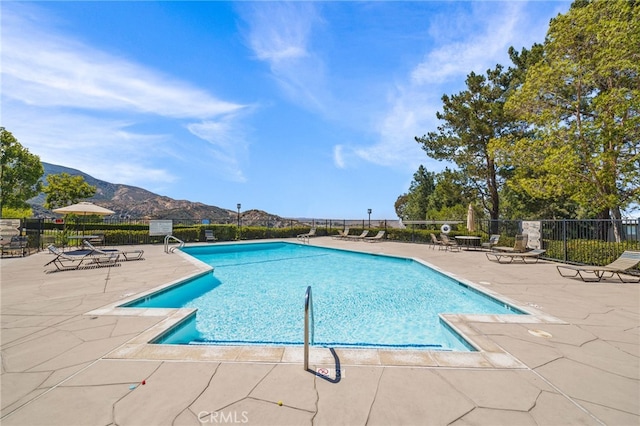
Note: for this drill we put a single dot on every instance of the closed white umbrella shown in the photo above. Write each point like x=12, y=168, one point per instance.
x=471, y=219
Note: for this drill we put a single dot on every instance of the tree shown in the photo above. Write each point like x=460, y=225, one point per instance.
x=20, y=173
x=414, y=204
x=64, y=189
x=583, y=101
x=472, y=119
x=451, y=196
x=441, y=196
x=401, y=206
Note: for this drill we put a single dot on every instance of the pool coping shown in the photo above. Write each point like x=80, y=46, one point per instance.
x=488, y=354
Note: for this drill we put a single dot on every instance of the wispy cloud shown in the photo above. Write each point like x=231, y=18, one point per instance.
x=413, y=102
x=280, y=34
x=227, y=144
x=338, y=156
x=46, y=71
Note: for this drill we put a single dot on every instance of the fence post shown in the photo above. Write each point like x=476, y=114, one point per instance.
x=564, y=240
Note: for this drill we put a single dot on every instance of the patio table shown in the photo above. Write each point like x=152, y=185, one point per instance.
x=468, y=242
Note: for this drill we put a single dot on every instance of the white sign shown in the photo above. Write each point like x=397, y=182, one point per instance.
x=9, y=227
x=160, y=227
x=533, y=231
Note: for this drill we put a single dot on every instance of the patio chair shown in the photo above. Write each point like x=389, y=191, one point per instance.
x=358, y=237
x=341, y=234
x=493, y=240
x=436, y=242
x=519, y=246
x=126, y=255
x=378, y=237
x=531, y=256
x=17, y=245
x=208, y=235
x=77, y=258
x=449, y=244
x=627, y=260
x=311, y=233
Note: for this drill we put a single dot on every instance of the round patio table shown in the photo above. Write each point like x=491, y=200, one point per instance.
x=468, y=242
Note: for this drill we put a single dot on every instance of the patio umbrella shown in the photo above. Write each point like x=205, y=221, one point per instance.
x=471, y=219
x=84, y=208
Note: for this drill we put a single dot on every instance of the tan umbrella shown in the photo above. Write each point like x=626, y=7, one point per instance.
x=471, y=219
x=84, y=208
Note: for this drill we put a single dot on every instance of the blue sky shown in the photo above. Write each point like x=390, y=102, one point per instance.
x=302, y=109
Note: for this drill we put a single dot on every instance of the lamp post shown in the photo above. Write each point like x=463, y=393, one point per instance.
x=369, y=212
x=238, y=206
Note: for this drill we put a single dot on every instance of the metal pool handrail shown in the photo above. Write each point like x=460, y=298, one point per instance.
x=166, y=243
x=308, y=306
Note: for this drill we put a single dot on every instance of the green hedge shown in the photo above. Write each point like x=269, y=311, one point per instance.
x=590, y=252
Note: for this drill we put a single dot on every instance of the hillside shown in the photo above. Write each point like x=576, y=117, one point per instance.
x=133, y=202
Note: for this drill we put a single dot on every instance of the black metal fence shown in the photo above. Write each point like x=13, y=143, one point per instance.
x=591, y=242
x=595, y=242
x=119, y=231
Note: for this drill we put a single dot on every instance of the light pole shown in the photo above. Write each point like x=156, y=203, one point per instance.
x=369, y=211
x=238, y=206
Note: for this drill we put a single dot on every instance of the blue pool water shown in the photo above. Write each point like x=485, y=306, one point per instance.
x=256, y=296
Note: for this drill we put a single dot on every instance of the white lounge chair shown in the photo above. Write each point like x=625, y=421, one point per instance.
x=531, y=256
x=79, y=258
x=208, y=235
x=358, y=237
x=519, y=246
x=627, y=260
x=378, y=237
x=342, y=234
x=126, y=254
x=493, y=240
x=311, y=233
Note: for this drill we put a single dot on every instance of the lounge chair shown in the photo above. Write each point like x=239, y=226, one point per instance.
x=519, y=246
x=126, y=255
x=378, y=237
x=358, y=237
x=436, y=242
x=208, y=235
x=627, y=260
x=341, y=234
x=311, y=233
x=449, y=244
x=493, y=240
x=531, y=256
x=77, y=258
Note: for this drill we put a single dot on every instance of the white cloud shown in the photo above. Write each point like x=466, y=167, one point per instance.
x=227, y=144
x=279, y=33
x=413, y=103
x=338, y=157
x=51, y=71
x=105, y=147
x=74, y=105
x=477, y=53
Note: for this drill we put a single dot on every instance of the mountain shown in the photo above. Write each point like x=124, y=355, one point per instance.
x=133, y=202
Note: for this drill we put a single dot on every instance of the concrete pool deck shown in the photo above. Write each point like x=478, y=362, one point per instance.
x=64, y=363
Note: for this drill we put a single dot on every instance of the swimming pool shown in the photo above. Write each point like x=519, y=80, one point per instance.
x=256, y=297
